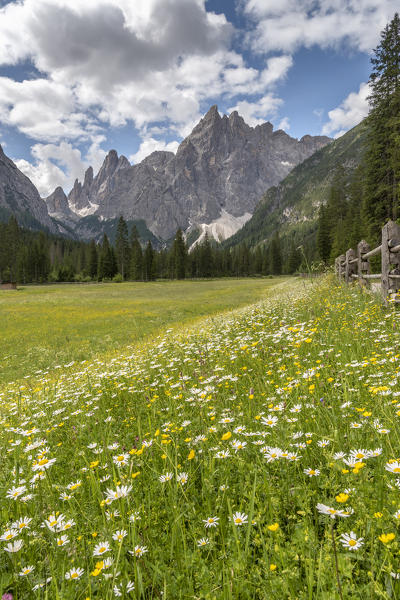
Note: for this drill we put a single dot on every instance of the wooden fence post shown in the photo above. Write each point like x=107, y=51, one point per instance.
x=363, y=266
x=350, y=267
x=341, y=260
x=390, y=260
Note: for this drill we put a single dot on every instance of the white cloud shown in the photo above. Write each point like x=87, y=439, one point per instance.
x=284, y=124
x=150, y=145
x=288, y=24
x=256, y=113
x=350, y=112
x=145, y=61
x=58, y=164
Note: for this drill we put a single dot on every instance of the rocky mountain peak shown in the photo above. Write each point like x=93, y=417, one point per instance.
x=88, y=178
x=219, y=172
x=19, y=197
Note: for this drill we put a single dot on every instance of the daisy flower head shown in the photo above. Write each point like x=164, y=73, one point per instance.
x=331, y=512
x=350, y=541
x=239, y=518
x=14, y=546
x=269, y=420
x=203, y=542
x=138, y=551
x=62, y=541
x=26, y=570
x=393, y=467
x=22, y=523
x=165, y=477
x=14, y=492
x=118, y=536
x=9, y=534
x=312, y=472
x=101, y=548
x=74, y=574
x=121, y=459
x=182, y=478
x=211, y=522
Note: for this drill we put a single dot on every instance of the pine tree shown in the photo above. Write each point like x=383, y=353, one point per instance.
x=206, y=266
x=93, y=260
x=148, y=266
x=107, y=266
x=324, y=242
x=136, y=259
x=122, y=249
x=179, y=256
x=276, y=255
x=382, y=157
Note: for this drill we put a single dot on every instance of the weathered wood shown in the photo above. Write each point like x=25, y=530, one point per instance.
x=373, y=276
x=390, y=261
x=350, y=264
x=395, y=249
x=372, y=252
x=363, y=266
x=341, y=266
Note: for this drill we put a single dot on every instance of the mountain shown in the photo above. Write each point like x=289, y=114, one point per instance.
x=292, y=206
x=212, y=183
x=19, y=197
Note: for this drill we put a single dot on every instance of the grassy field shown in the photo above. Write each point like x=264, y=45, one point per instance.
x=44, y=326
x=252, y=457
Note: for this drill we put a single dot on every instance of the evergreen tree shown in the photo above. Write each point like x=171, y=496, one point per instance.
x=276, y=255
x=93, y=260
x=148, y=263
x=122, y=249
x=294, y=259
x=179, y=256
x=324, y=242
x=107, y=264
x=382, y=157
x=205, y=258
x=136, y=259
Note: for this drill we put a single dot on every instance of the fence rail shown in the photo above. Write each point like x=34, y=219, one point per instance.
x=355, y=264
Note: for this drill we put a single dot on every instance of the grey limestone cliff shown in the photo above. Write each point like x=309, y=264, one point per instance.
x=220, y=170
x=19, y=197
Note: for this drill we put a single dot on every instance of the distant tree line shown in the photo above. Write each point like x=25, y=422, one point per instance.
x=38, y=257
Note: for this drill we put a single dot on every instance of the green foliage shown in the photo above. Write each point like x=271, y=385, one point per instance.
x=122, y=249
x=382, y=159
x=277, y=424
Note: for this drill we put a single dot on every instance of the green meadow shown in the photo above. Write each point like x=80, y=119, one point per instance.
x=247, y=455
x=49, y=325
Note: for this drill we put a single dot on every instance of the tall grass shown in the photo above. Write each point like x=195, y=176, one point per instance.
x=254, y=456
x=45, y=326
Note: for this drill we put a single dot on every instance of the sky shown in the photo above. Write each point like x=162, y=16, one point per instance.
x=80, y=78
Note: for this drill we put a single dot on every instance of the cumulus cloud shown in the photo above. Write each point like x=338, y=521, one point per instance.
x=256, y=113
x=350, y=112
x=150, y=145
x=58, y=164
x=106, y=63
x=288, y=24
x=284, y=124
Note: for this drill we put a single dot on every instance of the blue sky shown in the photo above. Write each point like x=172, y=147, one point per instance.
x=77, y=79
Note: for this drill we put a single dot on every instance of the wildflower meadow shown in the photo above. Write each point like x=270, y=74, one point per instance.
x=253, y=455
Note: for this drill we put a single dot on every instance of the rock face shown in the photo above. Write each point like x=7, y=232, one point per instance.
x=220, y=171
x=19, y=197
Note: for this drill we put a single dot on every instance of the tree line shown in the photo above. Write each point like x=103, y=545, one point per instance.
x=358, y=207
x=37, y=257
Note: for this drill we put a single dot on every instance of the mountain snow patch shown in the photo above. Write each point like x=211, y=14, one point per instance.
x=222, y=228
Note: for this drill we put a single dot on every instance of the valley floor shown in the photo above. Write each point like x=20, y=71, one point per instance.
x=251, y=456
x=49, y=325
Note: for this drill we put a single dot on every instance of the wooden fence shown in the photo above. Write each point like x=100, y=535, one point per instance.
x=355, y=264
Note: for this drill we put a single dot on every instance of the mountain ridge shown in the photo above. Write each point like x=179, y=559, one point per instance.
x=222, y=168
